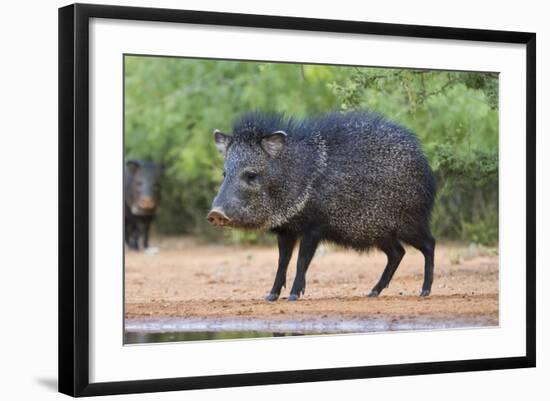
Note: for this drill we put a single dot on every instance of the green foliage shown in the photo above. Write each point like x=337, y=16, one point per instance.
x=172, y=106
x=467, y=203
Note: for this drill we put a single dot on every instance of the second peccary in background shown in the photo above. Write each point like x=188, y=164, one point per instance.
x=355, y=179
x=141, y=200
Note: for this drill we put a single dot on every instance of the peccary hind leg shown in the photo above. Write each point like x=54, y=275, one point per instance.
x=425, y=243
x=395, y=253
x=286, y=246
x=428, y=250
x=308, y=245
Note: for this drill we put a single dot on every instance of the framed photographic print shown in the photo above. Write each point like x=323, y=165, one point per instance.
x=251, y=199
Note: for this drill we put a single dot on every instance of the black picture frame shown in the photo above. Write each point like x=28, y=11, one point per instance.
x=74, y=198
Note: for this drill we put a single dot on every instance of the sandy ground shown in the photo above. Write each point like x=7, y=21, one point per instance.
x=188, y=279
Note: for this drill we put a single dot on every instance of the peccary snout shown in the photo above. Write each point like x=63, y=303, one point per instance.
x=147, y=204
x=218, y=217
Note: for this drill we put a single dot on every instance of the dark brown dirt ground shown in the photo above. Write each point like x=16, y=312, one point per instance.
x=191, y=279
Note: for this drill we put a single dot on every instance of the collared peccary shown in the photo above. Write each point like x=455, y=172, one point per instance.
x=355, y=179
x=141, y=200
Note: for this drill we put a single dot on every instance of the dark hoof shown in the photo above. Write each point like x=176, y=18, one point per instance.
x=425, y=293
x=271, y=297
x=293, y=297
x=373, y=294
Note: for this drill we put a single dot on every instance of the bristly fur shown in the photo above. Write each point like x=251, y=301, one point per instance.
x=360, y=176
x=355, y=179
x=253, y=125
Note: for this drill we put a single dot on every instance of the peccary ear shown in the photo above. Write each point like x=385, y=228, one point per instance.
x=132, y=165
x=222, y=141
x=274, y=143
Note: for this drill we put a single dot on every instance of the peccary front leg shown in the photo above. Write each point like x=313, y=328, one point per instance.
x=286, y=246
x=395, y=251
x=308, y=245
x=131, y=233
x=146, y=227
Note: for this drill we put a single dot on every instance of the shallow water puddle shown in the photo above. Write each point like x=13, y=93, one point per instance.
x=155, y=330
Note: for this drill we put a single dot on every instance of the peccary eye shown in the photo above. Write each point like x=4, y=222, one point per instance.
x=251, y=177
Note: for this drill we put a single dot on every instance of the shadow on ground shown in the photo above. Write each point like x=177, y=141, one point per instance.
x=48, y=382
